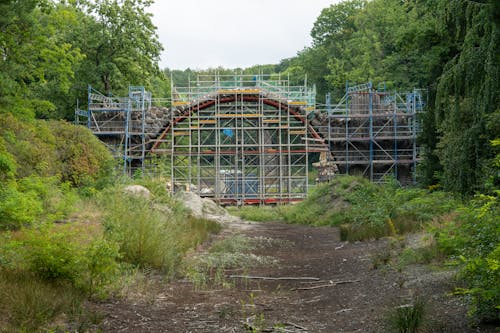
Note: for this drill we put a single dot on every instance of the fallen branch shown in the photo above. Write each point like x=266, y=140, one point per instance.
x=331, y=284
x=296, y=326
x=250, y=277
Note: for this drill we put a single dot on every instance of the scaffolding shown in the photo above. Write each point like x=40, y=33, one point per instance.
x=373, y=132
x=248, y=139
x=120, y=122
x=241, y=139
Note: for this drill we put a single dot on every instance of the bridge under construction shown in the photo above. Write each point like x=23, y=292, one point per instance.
x=254, y=139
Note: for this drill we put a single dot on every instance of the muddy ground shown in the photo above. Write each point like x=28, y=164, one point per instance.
x=353, y=287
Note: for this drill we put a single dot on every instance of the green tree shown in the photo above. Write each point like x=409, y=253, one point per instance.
x=120, y=44
x=34, y=61
x=468, y=100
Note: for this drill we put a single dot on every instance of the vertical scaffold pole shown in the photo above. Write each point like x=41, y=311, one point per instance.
x=370, y=110
x=127, y=135
x=143, y=128
x=414, y=135
x=347, y=127
x=328, y=99
x=395, y=126
x=89, y=100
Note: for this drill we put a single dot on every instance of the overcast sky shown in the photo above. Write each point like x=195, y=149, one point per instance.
x=233, y=33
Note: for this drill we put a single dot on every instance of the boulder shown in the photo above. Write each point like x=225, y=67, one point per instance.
x=137, y=190
x=205, y=208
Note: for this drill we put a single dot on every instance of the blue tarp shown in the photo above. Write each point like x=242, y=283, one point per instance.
x=228, y=132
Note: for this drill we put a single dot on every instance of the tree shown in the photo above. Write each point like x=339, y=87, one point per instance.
x=468, y=100
x=120, y=44
x=34, y=61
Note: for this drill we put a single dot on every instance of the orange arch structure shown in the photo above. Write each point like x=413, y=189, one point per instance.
x=295, y=111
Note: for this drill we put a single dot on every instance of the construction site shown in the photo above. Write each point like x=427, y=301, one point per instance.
x=257, y=139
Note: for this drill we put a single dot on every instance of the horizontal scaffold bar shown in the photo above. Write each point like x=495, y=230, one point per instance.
x=179, y=103
x=239, y=91
x=238, y=115
x=247, y=152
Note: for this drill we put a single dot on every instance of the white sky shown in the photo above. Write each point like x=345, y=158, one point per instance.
x=233, y=33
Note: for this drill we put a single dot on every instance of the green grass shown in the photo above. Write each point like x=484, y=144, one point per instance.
x=30, y=304
x=364, y=210
x=149, y=236
x=408, y=318
x=258, y=213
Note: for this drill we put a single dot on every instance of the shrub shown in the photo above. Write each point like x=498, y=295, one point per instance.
x=474, y=238
x=34, y=199
x=62, y=254
x=86, y=161
x=365, y=210
x=147, y=234
x=16, y=208
x=54, y=148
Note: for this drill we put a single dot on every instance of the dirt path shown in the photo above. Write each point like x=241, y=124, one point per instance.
x=350, y=295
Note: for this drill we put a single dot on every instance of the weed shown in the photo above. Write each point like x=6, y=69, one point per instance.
x=381, y=258
x=408, y=318
x=151, y=237
x=230, y=253
x=258, y=213
x=28, y=303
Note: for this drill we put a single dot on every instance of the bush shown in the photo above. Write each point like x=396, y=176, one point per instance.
x=17, y=209
x=473, y=237
x=62, y=254
x=86, y=161
x=365, y=210
x=53, y=148
x=34, y=199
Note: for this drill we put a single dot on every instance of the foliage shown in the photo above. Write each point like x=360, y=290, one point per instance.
x=256, y=213
x=50, y=50
x=474, y=239
x=34, y=60
x=67, y=254
x=365, y=210
x=28, y=303
x=86, y=160
x=467, y=93
x=148, y=233
x=40, y=162
x=53, y=148
x=121, y=44
x=408, y=318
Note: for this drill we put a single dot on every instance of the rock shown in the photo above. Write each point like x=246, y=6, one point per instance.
x=205, y=208
x=137, y=190
x=210, y=207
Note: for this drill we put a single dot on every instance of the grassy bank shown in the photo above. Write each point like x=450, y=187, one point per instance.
x=48, y=269
x=361, y=209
